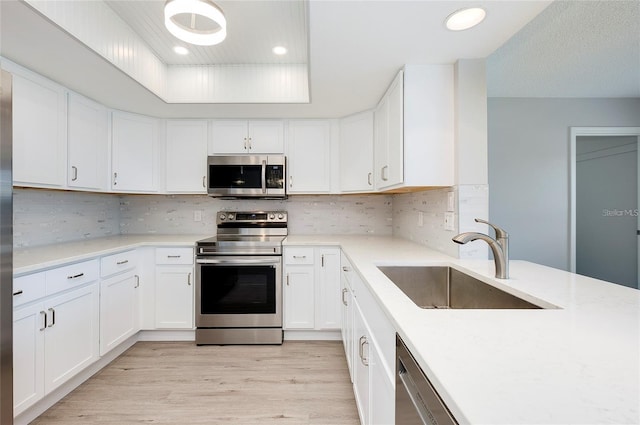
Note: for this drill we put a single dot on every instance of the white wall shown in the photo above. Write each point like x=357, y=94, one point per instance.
x=529, y=168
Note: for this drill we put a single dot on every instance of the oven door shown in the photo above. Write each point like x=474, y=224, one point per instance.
x=239, y=292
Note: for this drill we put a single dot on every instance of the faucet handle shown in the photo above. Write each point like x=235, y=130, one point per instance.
x=500, y=233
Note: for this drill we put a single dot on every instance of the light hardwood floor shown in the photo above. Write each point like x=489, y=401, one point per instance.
x=181, y=383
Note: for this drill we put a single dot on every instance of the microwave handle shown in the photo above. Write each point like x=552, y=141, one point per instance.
x=264, y=176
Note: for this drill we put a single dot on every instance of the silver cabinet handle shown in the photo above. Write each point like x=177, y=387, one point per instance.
x=369, y=179
x=174, y=256
x=75, y=173
x=245, y=143
x=137, y=281
x=299, y=256
x=363, y=342
x=345, y=269
x=250, y=147
x=322, y=260
x=384, y=175
x=287, y=279
x=44, y=325
x=53, y=317
x=344, y=291
x=122, y=262
x=204, y=181
x=189, y=279
x=17, y=293
x=290, y=181
x=115, y=179
x=75, y=276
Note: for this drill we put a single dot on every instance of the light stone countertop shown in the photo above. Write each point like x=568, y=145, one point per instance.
x=577, y=363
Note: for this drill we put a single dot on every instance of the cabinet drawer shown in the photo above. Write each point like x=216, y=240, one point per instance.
x=298, y=255
x=71, y=276
x=119, y=262
x=174, y=255
x=28, y=288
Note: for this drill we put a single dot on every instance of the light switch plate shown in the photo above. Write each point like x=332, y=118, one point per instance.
x=451, y=201
x=449, y=219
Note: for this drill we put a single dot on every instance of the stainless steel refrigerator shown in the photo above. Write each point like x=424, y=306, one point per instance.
x=6, y=252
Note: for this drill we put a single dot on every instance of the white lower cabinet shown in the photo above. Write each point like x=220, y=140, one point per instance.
x=118, y=310
x=28, y=356
x=311, y=288
x=174, y=288
x=369, y=341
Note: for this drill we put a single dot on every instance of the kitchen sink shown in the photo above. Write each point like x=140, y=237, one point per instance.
x=441, y=287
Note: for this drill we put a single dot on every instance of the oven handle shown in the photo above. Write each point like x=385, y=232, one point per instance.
x=238, y=261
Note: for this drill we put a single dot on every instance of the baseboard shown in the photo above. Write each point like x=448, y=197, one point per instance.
x=294, y=335
x=167, y=335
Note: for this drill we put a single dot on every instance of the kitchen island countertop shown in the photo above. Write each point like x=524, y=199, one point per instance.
x=575, y=362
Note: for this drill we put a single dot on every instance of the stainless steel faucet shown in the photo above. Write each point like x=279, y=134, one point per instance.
x=499, y=246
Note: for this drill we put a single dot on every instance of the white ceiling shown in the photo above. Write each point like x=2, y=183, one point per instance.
x=355, y=48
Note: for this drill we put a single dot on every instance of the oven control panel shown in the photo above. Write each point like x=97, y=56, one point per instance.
x=251, y=217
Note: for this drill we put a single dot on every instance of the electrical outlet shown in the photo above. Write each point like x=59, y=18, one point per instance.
x=451, y=201
x=449, y=219
x=420, y=219
x=197, y=215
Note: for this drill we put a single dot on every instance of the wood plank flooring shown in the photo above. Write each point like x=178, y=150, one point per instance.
x=181, y=383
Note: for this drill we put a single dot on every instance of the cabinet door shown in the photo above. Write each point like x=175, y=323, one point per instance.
x=356, y=153
x=395, y=141
x=186, y=169
x=309, y=159
x=346, y=299
x=135, y=153
x=382, y=391
x=229, y=137
x=174, y=297
x=361, y=381
x=299, y=298
x=381, y=142
x=28, y=357
x=118, y=310
x=87, y=140
x=328, y=288
x=72, y=334
x=266, y=137
x=39, y=132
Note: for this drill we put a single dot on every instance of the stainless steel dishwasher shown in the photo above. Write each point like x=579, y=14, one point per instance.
x=417, y=402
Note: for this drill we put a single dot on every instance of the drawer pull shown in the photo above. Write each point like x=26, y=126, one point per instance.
x=300, y=256
x=122, y=262
x=75, y=276
x=345, y=269
x=137, y=281
x=17, y=293
x=53, y=318
x=189, y=279
x=174, y=256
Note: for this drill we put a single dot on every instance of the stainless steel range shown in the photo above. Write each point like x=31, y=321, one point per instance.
x=239, y=279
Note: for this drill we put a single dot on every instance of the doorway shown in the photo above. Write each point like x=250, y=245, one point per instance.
x=604, y=204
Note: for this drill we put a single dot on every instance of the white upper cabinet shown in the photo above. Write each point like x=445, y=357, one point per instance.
x=356, y=153
x=134, y=153
x=88, y=141
x=414, y=129
x=230, y=137
x=186, y=154
x=309, y=158
x=39, y=131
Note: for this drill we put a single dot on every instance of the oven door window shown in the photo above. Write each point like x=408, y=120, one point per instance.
x=238, y=289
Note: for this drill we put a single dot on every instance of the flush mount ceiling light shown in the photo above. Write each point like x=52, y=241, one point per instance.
x=465, y=18
x=198, y=22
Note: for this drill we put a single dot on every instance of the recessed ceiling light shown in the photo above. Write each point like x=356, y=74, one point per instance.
x=181, y=50
x=180, y=18
x=465, y=18
x=280, y=50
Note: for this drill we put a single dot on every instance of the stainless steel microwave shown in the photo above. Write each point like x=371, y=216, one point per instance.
x=247, y=176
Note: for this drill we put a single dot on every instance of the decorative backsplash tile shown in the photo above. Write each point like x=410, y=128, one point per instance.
x=43, y=217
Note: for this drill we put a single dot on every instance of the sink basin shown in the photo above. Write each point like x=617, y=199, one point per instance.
x=445, y=287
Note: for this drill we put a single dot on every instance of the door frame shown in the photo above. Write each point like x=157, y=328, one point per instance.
x=576, y=132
